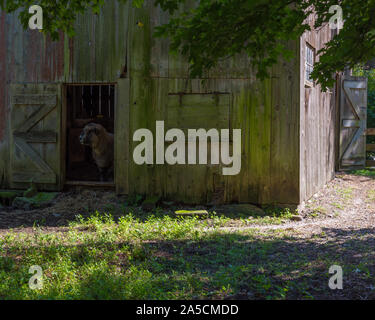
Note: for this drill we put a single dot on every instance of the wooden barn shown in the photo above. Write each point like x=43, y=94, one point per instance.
x=115, y=73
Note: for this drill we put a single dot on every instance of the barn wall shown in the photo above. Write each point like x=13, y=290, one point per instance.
x=25, y=57
x=267, y=112
x=98, y=53
x=113, y=45
x=318, y=124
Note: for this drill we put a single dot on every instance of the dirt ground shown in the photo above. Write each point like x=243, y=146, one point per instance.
x=346, y=203
x=63, y=209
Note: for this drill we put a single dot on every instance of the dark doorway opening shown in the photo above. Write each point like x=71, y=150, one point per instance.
x=93, y=103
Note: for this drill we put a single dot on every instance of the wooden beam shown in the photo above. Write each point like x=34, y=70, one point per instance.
x=351, y=123
x=352, y=162
x=41, y=177
x=370, y=132
x=90, y=183
x=34, y=156
x=36, y=117
x=37, y=137
x=370, y=147
x=39, y=99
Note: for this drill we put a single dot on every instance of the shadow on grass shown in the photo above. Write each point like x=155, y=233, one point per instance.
x=229, y=266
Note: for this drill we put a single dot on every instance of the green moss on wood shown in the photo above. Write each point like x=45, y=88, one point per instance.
x=40, y=199
x=191, y=212
x=7, y=197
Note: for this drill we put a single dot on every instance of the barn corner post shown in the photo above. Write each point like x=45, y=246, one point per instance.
x=318, y=118
x=63, y=140
x=286, y=127
x=4, y=127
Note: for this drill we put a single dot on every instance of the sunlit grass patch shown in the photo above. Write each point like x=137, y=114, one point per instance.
x=337, y=205
x=371, y=195
x=345, y=193
x=364, y=172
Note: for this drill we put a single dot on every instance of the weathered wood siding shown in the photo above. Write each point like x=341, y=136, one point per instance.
x=352, y=122
x=25, y=57
x=98, y=53
x=3, y=106
x=267, y=112
x=318, y=124
x=35, y=123
x=286, y=151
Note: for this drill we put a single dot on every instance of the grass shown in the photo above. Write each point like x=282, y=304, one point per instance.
x=371, y=195
x=39, y=199
x=318, y=211
x=367, y=173
x=338, y=205
x=160, y=256
x=364, y=172
x=6, y=197
x=346, y=194
x=272, y=216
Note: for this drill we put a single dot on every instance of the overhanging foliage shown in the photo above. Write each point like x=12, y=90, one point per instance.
x=213, y=30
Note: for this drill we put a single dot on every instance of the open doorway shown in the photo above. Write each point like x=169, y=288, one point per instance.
x=86, y=103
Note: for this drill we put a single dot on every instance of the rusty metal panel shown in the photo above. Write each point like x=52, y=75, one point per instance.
x=96, y=53
x=32, y=56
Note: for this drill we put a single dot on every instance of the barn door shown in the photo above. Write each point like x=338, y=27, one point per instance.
x=353, y=117
x=35, y=135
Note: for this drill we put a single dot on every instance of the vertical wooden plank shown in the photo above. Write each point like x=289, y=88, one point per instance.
x=98, y=51
x=178, y=64
x=122, y=107
x=141, y=116
x=159, y=59
x=285, y=136
x=159, y=105
x=63, y=130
